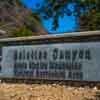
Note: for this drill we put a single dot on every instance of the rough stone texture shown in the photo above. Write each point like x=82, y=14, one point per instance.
x=45, y=92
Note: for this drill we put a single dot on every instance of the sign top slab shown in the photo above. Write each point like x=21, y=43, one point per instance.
x=54, y=36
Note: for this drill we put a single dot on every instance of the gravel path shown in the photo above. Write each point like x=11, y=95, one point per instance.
x=45, y=92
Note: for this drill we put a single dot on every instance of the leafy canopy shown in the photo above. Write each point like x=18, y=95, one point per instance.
x=57, y=8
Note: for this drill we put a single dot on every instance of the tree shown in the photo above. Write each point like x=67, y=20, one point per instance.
x=57, y=8
x=90, y=20
x=83, y=9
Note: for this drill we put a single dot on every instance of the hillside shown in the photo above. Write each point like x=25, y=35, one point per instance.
x=14, y=17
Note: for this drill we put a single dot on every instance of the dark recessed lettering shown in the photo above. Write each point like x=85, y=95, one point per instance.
x=40, y=55
x=55, y=53
x=45, y=55
x=81, y=54
x=61, y=54
x=74, y=54
x=15, y=55
x=88, y=54
x=23, y=54
x=68, y=54
x=20, y=55
x=28, y=55
x=0, y=51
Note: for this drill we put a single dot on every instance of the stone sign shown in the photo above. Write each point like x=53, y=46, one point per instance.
x=56, y=61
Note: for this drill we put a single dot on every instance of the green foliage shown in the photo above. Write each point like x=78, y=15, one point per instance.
x=84, y=9
x=22, y=31
x=89, y=21
x=57, y=8
x=31, y=21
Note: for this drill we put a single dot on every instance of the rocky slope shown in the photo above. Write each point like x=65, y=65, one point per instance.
x=14, y=15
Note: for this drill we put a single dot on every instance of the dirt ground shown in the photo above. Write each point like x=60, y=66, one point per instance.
x=45, y=92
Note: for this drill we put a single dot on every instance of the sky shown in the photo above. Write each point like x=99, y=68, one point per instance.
x=66, y=23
